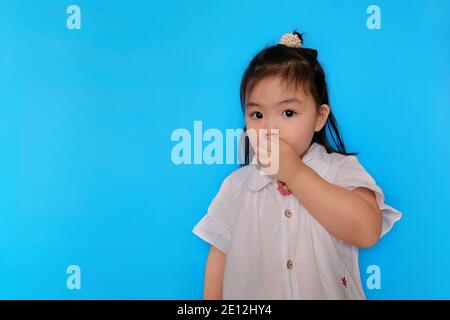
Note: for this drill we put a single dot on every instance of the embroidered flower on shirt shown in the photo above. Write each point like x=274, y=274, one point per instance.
x=283, y=188
x=344, y=282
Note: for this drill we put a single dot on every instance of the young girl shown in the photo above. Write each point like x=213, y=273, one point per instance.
x=293, y=234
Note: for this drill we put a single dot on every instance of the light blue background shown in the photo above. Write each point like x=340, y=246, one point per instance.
x=86, y=117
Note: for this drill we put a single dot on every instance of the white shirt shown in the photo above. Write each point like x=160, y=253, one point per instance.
x=273, y=253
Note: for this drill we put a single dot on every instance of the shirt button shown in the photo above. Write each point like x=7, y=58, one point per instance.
x=290, y=264
x=288, y=213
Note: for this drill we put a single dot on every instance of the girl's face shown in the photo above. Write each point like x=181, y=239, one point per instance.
x=272, y=104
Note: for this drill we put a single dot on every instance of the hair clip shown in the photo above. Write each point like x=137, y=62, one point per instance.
x=290, y=40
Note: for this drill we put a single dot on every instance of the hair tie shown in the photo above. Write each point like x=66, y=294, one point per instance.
x=291, y=40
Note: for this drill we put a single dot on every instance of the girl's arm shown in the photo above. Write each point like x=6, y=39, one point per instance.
x=352, y=216
x=215, y=266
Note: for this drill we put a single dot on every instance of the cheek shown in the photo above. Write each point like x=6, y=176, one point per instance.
x=295, y=129
x=299, y=134
x=253, y=124
x=253, y=131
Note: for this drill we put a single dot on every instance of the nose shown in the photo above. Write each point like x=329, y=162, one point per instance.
x=272, y=129
x=271, y=134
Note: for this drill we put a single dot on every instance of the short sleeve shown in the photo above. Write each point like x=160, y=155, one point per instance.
x=350, y=174
x=214, y=226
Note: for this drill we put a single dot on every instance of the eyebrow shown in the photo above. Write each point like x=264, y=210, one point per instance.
x=254, y=104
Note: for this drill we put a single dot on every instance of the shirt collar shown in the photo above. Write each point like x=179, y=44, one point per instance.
x=256, y=180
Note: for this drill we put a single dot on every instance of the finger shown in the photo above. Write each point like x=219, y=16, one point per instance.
x=263, y=153
x=270, y=142
x=263, y=161
x=264, y=145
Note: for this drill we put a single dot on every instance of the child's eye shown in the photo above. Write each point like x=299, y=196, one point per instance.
x=258, y=115
x=289, y=113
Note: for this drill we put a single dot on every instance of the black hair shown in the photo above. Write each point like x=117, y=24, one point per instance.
x=301, y=67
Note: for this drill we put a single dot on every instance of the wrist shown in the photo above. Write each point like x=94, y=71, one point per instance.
x=297, y=171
